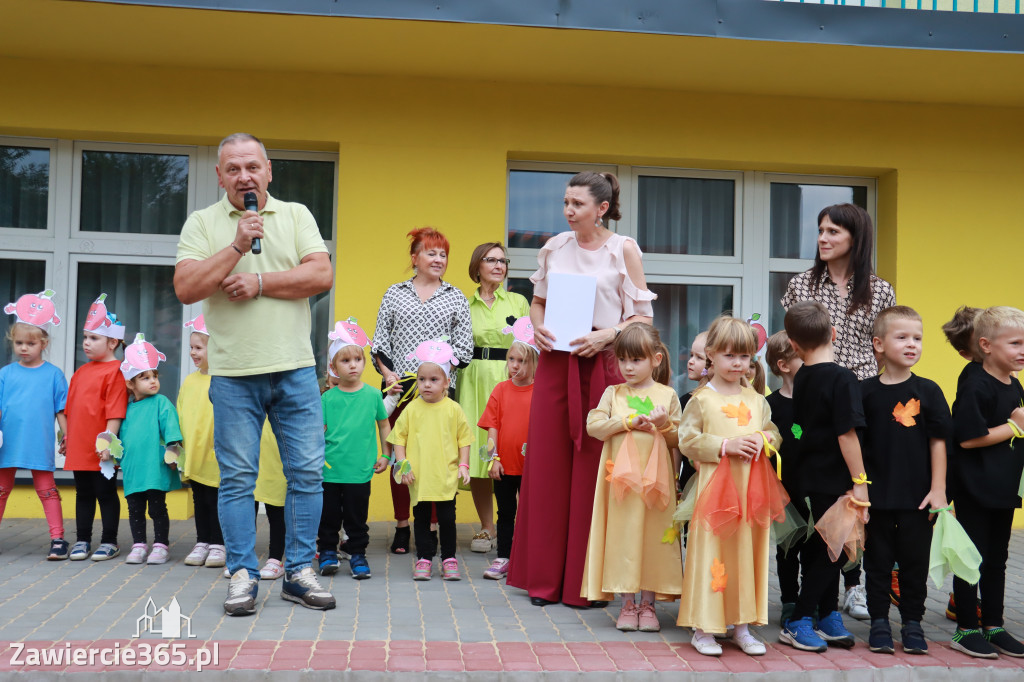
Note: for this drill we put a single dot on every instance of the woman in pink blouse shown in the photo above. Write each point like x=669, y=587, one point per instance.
x=557, y=495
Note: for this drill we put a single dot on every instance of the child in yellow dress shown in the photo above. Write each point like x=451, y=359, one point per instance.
x=726, y=424
x=635, y=496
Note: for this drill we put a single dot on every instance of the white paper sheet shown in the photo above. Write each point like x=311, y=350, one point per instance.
x=569, y=311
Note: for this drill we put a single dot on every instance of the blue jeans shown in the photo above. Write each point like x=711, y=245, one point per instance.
x=291, y=402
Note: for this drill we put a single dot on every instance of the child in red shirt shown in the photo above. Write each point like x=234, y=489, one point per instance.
x=97, y=402
x=507, y=420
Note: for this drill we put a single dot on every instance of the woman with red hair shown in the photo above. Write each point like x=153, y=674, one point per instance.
x=420, y=308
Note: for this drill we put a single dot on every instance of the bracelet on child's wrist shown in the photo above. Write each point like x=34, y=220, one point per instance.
x=387, y=457
x=626, y=422
x=722, y=453
x=861, y=479
x=667, y=427
x=463, y=465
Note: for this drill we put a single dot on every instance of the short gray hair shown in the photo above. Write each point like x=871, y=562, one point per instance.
x=235, y=138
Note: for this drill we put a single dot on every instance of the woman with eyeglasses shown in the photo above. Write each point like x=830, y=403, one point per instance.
x=490, y=307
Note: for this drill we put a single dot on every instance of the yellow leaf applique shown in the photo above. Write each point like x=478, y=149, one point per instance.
x=609, y=466
x=718, y=576
x=741, y=413
x=671, y=535
x=904, y=414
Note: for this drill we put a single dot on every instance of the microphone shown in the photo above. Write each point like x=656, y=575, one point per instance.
x=251, y=204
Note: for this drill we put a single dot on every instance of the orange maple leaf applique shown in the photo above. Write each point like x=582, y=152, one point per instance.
x=905, y=414
x=718, y=576
x=741, y=412
x=609, y=466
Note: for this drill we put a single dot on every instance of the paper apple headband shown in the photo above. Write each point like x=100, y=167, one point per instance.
x=346, y=333
x=436, y=351
x=762, y=335
x=197, y=325
x=141, y=356
x=35, y=309
x=522, y=331
x=99, y=321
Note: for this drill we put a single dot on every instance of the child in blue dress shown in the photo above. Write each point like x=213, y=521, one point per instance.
x=32, y=393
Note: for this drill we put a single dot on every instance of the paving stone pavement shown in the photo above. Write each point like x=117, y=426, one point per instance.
x=444, y=630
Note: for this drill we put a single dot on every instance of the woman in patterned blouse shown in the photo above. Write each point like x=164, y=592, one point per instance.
x=421, y=308
x=842, y=281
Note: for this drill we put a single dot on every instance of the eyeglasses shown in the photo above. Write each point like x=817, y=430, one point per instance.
x=495, y=261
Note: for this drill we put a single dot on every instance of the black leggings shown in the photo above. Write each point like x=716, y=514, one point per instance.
x=157, y=502
x=506, y=492
x=819, y=588
x=204, y=499
x=91, y=487
x=275, y=517
x=425, y=547
x=989, y=530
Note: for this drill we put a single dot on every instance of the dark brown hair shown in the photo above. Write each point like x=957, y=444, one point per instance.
x=960, y=329
x=603, y=187
x=478, y=257
x=808, y=325
x=857, y=222
x=641, y=340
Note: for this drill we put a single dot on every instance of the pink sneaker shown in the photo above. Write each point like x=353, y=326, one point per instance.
x=272, y=570
x=422, y=569
x=450, y=569
x=647, y=619
x=157, y=555
x=497, y=570
x=138, y=554
x=628, y=617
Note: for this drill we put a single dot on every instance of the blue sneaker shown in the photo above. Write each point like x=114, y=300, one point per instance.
x=303, y=588
x=831, y=629
x=800, y=634
x=328, y=562
x=81, y=551
x=360, y=569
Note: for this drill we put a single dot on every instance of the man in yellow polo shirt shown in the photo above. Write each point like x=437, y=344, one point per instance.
x=261, y=361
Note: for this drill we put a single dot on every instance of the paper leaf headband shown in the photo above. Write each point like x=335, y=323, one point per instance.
x=99, y=321
x=140, y=356
x=437, y=351
x=197, y=325
x=521, y=330
x=346, y=333
x=35, y=309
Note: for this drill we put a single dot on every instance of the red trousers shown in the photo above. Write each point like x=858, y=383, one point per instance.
x=560, y=472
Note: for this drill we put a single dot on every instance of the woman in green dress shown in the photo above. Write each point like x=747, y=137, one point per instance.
x=490, y=307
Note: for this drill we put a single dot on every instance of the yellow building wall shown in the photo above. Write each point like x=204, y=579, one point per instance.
x=415, y=152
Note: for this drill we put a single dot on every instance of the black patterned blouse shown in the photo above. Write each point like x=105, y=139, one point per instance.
x=853, y=332
x=403, y=322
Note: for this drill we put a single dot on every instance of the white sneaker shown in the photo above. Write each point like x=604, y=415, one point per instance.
x=272, y=570
x=750, y=645
x=137, y=555
x=242, y=593
x=197, y=557
x=158, y=555
x=856, y=603
x=217, y=557
x=705, y=643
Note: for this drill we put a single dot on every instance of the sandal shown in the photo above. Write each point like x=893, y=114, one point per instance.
x=400, y=545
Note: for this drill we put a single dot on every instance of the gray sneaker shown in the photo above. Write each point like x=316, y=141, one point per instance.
x=242, y=592
x=80, y=551
x=303, y=588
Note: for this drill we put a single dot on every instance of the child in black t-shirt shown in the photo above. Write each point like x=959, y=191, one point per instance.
x=987, y=415
x=783, y=362
x=827, y=409
x=905, y=455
